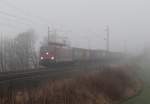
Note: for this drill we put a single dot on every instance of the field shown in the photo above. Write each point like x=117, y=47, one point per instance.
x=104, y=86
x=144, y=96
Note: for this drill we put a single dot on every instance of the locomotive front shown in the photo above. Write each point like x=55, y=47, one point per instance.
x=46, y=56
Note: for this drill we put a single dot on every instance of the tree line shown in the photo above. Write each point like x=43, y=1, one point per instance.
x=18, y=53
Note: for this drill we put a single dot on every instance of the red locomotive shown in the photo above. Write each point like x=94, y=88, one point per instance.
x=55, y=53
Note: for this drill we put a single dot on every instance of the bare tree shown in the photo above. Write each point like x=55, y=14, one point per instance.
x=18, y=53
x=25, y=49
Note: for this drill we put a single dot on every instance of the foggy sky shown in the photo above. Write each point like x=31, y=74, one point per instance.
x=84, y=21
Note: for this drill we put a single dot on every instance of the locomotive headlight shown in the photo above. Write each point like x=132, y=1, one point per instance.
x=42, y=58
x=47, y=53
x=52, y=58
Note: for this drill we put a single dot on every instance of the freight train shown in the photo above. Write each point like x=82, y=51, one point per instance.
x=57, y=53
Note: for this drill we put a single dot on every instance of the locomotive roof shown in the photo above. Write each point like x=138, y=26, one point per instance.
x=57, y=44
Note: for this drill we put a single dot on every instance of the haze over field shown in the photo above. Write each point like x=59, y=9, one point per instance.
x=74, y=51
x=82, y=21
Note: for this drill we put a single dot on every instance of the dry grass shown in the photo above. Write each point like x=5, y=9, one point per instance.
x=99, y=87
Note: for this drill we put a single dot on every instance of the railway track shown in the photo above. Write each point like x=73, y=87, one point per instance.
x=7, y=77
x=53, y=73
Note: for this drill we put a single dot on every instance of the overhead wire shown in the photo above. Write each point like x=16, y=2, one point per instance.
x=9, y=25
x=14, y=16
x=11, y=5
x=16, y=21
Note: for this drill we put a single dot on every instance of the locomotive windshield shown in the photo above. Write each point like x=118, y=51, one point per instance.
x=44, y=49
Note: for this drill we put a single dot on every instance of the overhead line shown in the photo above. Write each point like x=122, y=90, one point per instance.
x=20, y=22
x=8, y=25
x=14, y=16
x=25, y=12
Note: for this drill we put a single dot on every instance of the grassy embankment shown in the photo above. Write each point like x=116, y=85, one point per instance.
x=144, y=73
x=104, y=86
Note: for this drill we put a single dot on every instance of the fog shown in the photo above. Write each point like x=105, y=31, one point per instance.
x=83, y=21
